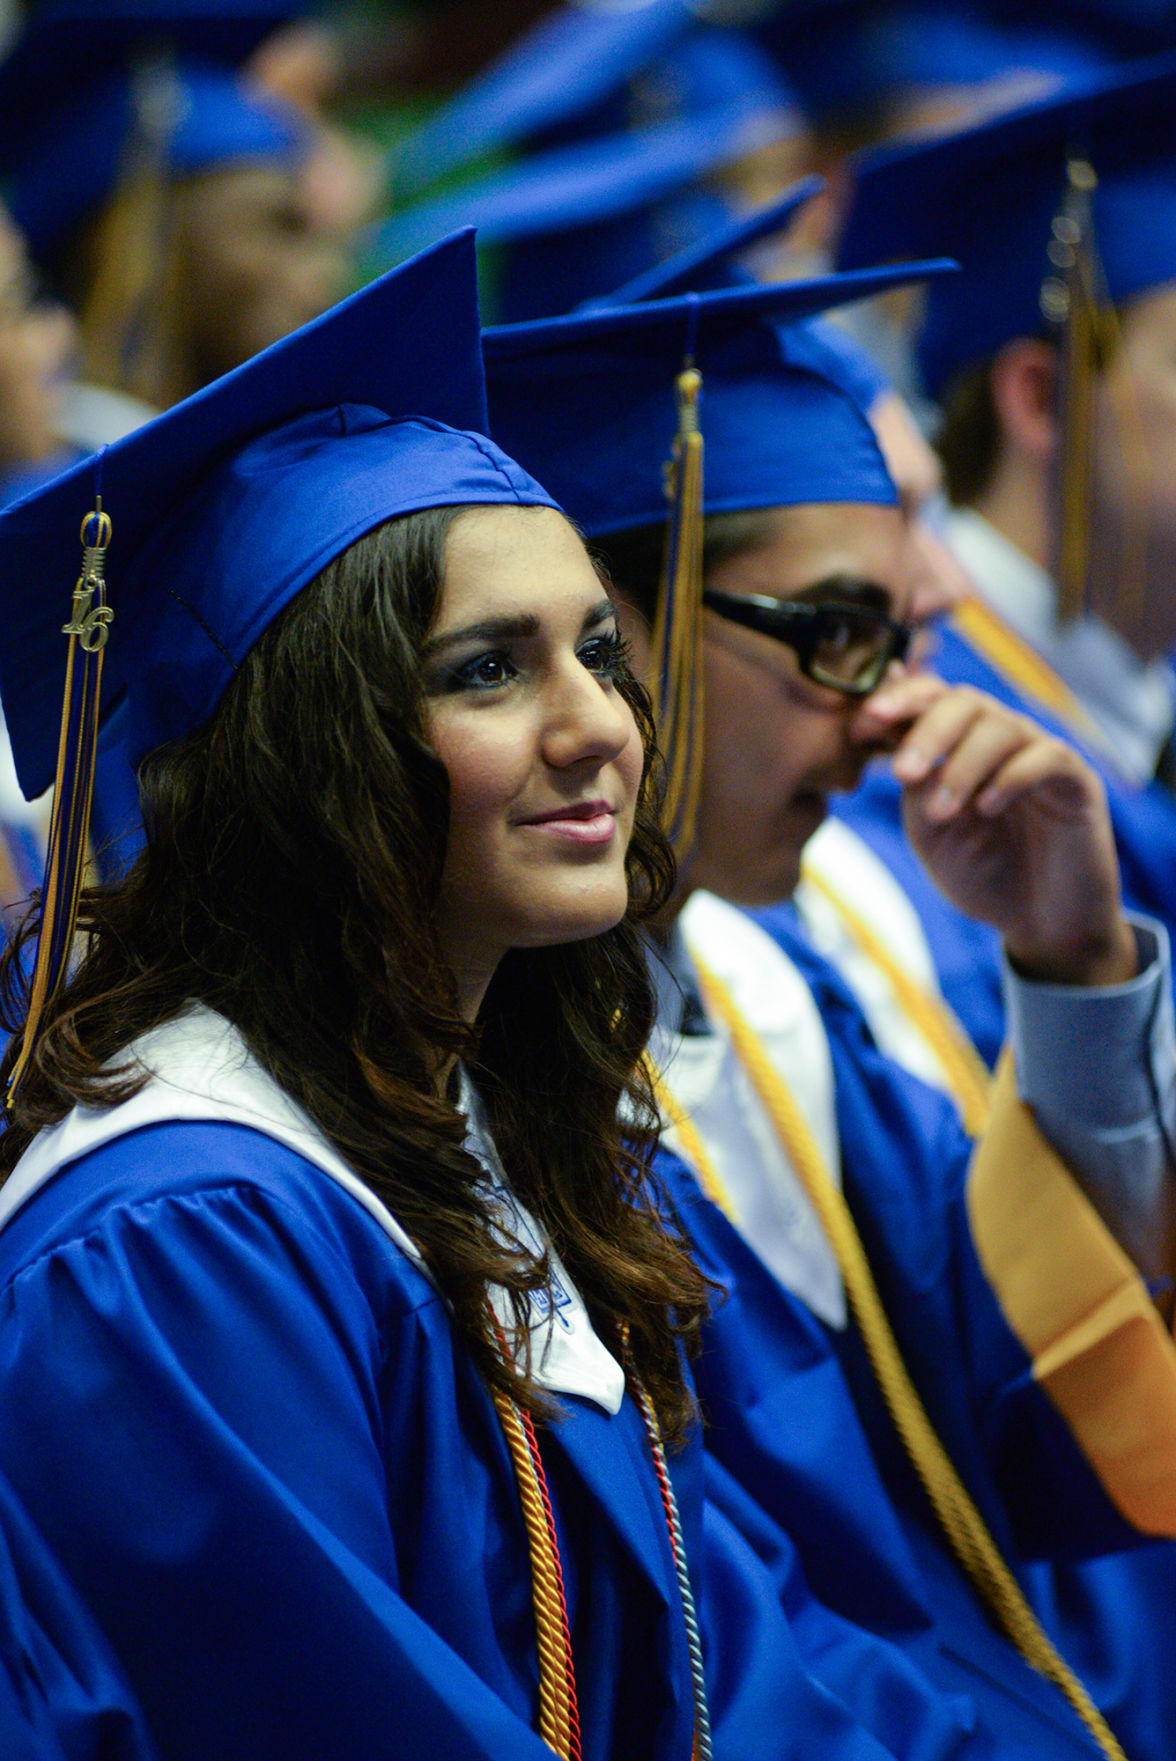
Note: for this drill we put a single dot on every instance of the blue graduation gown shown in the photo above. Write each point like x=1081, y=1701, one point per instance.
x=967, y=954
x=62, y=1694
x=241, y=1438
x=798, y=1426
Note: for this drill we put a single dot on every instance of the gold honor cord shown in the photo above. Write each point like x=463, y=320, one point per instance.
x=676, y=683
x=559, y=1712
x=73, y=789
x=559, y=1721
x=700, y=1749
x=961, y=1521
x=968, y=1079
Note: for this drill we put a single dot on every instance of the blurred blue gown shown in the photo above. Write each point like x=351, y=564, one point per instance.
x=803, y=1445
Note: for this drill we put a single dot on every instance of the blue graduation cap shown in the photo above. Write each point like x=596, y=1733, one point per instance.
x=198, y=528
x=620, y=112
x=602, y=402
x=88, y=87
x=848, y=59
x=712, y=261
x=568, y=63
x=587, y=401
x=585, y=217
x=990, y=195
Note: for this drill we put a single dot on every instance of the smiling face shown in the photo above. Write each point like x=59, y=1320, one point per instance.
x=542, y=753
x=776, y=743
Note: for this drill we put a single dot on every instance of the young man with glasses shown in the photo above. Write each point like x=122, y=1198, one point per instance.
x=1051, y=360
x=773, y=1092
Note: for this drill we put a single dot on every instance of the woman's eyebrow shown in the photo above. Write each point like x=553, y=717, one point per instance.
x=488, y=630
x=506, y=629
x=599, y=614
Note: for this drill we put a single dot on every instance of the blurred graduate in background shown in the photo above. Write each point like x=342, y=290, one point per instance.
x=1051, y=358
x=161, y=194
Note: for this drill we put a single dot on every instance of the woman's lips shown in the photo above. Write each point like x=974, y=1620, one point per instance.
x=584, y=822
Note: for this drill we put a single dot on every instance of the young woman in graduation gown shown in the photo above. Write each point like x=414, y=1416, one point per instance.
x=341, y=1347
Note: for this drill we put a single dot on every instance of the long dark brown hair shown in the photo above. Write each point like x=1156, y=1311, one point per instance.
x=294, y=847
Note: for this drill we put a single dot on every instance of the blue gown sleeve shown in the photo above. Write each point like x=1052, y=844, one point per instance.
x=197, y=1427
x=888, y=1691
x=63, y=1696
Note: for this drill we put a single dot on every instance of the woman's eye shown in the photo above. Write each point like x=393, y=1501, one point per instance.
x=605, y=655
x=483, y=672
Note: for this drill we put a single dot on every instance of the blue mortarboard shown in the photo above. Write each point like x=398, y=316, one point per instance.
x=83, y=82
x=585, y=217
x=712, y=262
x=225, y=506
x=602, y=401
x=848, y=59
x=572, y=59
x=212, y=518
x=832, y=352
x=989, y=195
x=587, y=401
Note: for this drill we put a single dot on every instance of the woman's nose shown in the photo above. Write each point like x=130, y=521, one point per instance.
x=586, y=719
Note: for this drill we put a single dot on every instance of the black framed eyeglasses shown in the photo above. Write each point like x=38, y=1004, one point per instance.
x=846, y=647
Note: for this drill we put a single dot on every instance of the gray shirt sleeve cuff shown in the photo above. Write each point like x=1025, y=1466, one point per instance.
x=1098, y=1068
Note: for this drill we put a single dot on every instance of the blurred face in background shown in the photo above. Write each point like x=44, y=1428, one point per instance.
x=36, y=342
x=1132, y=513
x=258, y=262
x=935, y=580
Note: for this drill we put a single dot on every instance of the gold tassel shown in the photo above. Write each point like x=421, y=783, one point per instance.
x=677, y=635
x=1072, y=299
x=69, y=826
